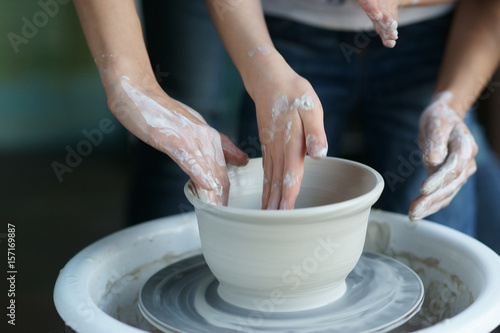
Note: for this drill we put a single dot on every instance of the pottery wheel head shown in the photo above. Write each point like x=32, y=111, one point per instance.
x=382, y=294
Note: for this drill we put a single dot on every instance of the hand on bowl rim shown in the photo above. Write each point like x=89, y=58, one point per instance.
x=179, y=131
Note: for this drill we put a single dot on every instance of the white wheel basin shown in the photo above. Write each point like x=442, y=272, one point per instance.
x=97, y=291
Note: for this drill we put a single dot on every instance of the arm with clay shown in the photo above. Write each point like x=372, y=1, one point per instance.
x=448, y=148
x=384, y=15
x=114, y=35
x=289, y=113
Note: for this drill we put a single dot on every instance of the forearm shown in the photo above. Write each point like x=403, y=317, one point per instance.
x=243, y=31
x=114, y=35
x=472, y=53
x=404, y=3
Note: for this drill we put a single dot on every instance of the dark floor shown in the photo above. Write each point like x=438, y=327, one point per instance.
x=54, y=221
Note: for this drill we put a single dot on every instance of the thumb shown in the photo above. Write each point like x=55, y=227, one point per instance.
x=233, y=154
x=434, y=141
x=435, y=126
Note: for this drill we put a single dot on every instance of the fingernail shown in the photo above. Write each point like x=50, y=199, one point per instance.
x=390, y=43
x=417, y=213
x=314, y=149
x=318, y=153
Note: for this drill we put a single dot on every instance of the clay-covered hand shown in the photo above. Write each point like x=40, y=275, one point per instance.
x=384, y=15
x=179, y=131
x=448, y=152
x=290, y=120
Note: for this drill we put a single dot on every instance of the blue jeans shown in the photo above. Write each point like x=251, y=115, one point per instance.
x=487, y=191
x=354, y=75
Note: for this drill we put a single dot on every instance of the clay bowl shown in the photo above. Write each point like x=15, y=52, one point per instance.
x=288, y=260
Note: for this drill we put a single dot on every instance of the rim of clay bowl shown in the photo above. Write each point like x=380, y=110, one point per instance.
x=340, y=208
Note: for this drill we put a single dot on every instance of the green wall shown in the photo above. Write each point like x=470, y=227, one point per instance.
x=49, y=87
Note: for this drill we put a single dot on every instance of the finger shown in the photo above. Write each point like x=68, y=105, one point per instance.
x=293, y=168
x=232, y=154
x=268, y=171
x=445, y=174
x=426, y=205
x=311, y=116
x=271, y=132
x=388, y=38
x=204, y=163
x=211, y=187
x=389, y=22
x=435, y=126
x=462, y=149
x=372, y=9
x=276, y=180
x=210, y=196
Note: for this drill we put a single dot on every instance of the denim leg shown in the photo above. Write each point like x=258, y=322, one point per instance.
x=488, y=190
x=193, y=67
x=399, y=86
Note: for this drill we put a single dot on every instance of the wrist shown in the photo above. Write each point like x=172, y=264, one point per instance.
x=113, y=68
x=263, y=67
x=454, y=104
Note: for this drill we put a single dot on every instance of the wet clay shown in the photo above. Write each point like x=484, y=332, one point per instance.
x=445, y=293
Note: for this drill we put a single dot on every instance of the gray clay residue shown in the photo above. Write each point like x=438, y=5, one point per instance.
x=121, y=295
x=445, y=293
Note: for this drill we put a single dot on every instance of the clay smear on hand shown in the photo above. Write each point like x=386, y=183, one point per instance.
x=450, y=147
x=278, y=112
x=304, y=103
x=193, y=144
x=261, y=49
x=314, y=148
x=285, y=114
x=385, y=25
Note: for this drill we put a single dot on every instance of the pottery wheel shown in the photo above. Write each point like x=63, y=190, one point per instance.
x=382, y=293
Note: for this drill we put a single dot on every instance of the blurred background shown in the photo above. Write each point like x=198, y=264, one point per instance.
x=50, y=96
x=51, y=101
